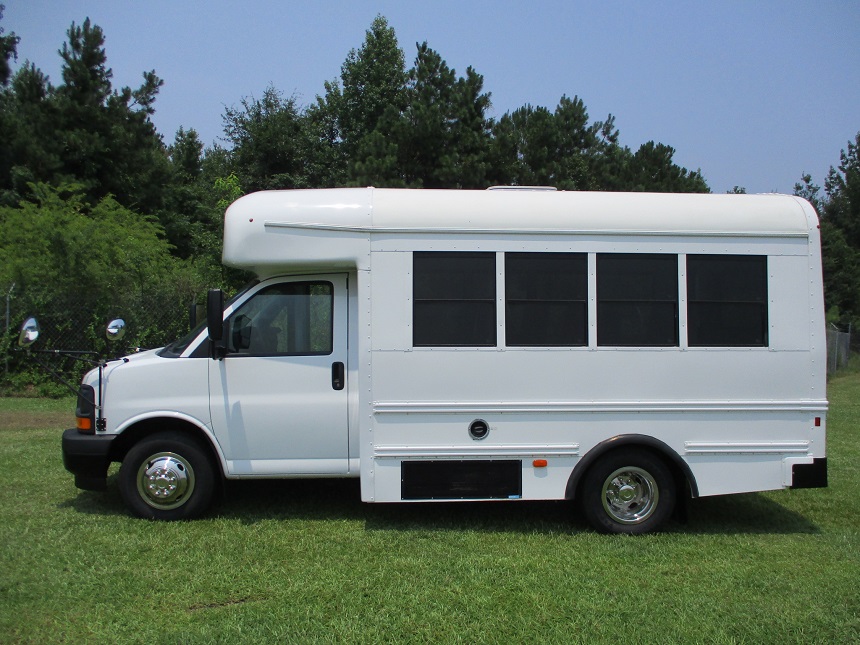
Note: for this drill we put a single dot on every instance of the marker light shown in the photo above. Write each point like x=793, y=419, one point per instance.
x=539, y=463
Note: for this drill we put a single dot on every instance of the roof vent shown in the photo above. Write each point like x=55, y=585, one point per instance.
x=541, y=188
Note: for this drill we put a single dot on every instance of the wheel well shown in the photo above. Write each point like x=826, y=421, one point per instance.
x=683, y=476
x=134, y=433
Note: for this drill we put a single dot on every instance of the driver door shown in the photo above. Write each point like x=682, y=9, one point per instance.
x=278, y=399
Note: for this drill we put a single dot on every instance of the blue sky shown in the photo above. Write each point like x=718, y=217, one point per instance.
x=752, y=93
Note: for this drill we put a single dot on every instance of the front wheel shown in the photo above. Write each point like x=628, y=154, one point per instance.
x=628, y=491
x=167, y=476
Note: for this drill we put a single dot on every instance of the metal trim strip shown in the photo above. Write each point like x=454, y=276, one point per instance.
x=509, y=407
x=525, y=231
x=485, y=452
x=745, y=448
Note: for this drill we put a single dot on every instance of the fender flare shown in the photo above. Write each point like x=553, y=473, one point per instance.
x=655, y=445
x=177, y=417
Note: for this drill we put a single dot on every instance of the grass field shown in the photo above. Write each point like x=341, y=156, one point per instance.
x=308, y=562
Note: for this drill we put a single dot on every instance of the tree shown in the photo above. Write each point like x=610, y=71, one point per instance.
x=84, y=131
x=444, y=134
x=278, y=144
x=841, y=273
x=31, y=149
x=108, y=141
x=186, y=155
x=839, y=212
x=370, y=97
x=575, y=141
x=471, y=131
x=809, y=191
x=329, y=160
x=86, y=77
x=8, y=50
x=381, y=125
x=377, y=162
x=426, y=133
x=269, y=142
x=652, y=169
x=535, y=146
x=63, y=243
x=609, y=160
x=524, y=147
x=186, y=213
x=560, y=148
x=842, y=186
x=433, y=135
x=374, y=79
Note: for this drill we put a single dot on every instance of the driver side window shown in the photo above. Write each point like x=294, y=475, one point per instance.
x=286, y=319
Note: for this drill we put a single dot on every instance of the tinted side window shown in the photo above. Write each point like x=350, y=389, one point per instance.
x=637, y=300
x=546, y=298
x=454, y=299
x=727, y=300
x=293, y=318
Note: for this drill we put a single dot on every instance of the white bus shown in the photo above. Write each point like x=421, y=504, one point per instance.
x=623, y=350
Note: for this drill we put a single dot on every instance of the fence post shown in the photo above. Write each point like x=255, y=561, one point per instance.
x=6, y=353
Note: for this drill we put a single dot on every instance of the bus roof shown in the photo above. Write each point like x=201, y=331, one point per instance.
x=252, y=220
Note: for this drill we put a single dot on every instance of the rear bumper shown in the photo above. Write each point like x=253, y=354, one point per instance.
x=812, y=475
x=87, y=457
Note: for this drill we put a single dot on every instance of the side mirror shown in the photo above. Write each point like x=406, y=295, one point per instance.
x=115, y=329
x=215, y=314
x=29, y=332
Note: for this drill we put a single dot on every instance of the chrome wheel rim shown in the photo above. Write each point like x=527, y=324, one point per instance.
x=165, y=480
x=630, y=495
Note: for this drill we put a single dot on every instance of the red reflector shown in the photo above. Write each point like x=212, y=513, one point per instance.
x=817, y=422
x=539, y=463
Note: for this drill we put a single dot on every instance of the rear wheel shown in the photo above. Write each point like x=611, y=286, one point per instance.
x=167, y=476
x=628, y=491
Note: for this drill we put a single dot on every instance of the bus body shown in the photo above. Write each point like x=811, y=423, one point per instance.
x=622, y=349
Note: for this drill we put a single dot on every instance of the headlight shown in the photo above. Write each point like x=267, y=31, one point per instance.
x=86, y=410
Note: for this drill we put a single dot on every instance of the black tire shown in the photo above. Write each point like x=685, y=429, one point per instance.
x=628, y=491
x=167, y=476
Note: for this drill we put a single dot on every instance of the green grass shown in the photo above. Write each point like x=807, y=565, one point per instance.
x=305, y=561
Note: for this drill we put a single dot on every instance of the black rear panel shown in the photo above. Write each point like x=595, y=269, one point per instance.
x=812, y=475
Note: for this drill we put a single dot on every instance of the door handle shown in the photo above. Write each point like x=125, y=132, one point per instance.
x=337, y=375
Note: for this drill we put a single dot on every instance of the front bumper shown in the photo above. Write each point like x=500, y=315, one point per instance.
x=87, y=457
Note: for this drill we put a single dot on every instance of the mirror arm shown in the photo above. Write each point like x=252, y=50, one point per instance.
x=76, y=355
x=101, y=422
x=59, y=378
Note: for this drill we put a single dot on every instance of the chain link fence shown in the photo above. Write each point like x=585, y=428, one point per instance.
x=838, y=348
x=77, y=322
